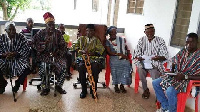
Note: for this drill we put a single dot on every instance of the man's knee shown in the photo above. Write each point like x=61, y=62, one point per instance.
x=170, y=90
x=156, y=82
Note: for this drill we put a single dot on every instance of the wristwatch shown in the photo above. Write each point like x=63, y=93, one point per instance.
x=186, y=77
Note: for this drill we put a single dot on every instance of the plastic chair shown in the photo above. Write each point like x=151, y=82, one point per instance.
x=137, y=78
x=182, y=97
x=108, y=71
x=25, y=84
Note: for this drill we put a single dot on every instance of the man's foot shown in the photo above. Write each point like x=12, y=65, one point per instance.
x=146, y=94
x=116, y=89
x=16, y=87
x=2, y=90
x=45, y=92
x=83, y=95
x=60, y=90
x=3, y=85
x=122, y=88
x=94, y=97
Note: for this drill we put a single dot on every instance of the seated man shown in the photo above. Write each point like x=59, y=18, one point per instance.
x=92, y=46
x=48, y=42
x=68, y=55
x=186, y=66
x=27, y=34
x=14, y=51
x=150, y=52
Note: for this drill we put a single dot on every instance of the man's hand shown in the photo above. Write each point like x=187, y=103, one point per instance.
x=10, y=55
x=123, y=56
x=179, y=76
x=158, y=58
x=41, y=46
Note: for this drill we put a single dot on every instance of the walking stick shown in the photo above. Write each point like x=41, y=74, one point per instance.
x=90, y=77
x=8, y=71
x=54, y=80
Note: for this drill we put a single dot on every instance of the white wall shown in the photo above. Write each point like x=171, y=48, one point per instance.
x=154, y=12
x=160, y=13
x=63, y=11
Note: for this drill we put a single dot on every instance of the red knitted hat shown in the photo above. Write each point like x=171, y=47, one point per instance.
x=48, y=17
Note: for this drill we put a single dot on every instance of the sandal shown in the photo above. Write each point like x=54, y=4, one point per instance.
x=122, y=89
x=117, y=89
x=146, y=94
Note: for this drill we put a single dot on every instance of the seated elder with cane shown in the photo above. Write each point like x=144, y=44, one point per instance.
x=14, y=61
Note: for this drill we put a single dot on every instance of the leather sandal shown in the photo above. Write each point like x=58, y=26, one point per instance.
x=122, y=89
x=45, y=92
x=117, y=89
x=146, y=94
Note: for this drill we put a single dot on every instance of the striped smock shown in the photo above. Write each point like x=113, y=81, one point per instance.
x=187, y=64
x=156, y=47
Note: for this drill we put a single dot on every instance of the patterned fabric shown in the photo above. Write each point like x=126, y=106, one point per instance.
x=92, y=45
x=27, y=34
x=120, y=68
x=156, y=47
x=187, y=64
x=56, y=45
x=17, y=44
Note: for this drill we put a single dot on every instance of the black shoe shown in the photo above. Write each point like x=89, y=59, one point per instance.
x=116, y=89
x=60, y=90
x=2, y=90
x=122, y=89
x=45, y=92
x=146, y=94
x=3, y=85
x=83, y=95
x=16, y=87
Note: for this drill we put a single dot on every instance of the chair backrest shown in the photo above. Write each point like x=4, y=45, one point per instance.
x=100, y=31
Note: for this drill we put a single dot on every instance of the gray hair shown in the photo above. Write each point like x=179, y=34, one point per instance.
x=7, y=25
x=28, y=19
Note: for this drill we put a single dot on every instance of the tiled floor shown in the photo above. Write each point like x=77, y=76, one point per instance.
x=109, y=101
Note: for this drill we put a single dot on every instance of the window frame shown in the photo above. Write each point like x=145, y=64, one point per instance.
x=135, y=7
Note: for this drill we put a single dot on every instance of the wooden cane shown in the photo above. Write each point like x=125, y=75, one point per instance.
x=90, y=77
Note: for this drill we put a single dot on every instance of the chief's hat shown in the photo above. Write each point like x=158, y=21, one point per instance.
x=147, y=26
x=48, y=17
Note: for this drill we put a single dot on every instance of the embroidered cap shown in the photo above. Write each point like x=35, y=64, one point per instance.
x=48, y=17
x=147, y=26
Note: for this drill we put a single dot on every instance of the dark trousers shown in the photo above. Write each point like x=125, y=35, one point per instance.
x=20, y=79
x=69, y=61
x=82, y=74
x=33, y=54
x=3, y=82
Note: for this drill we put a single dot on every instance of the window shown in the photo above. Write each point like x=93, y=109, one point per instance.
x=95, y=4
x=181, y=23
x=135, y=6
